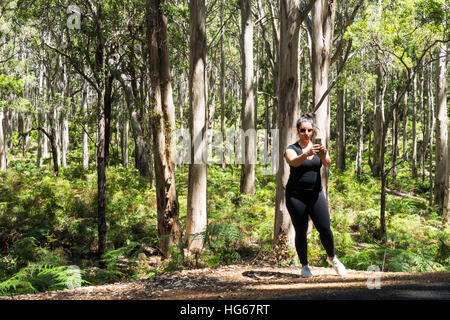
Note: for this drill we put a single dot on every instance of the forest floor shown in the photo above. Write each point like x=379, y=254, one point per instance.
x=249, y=282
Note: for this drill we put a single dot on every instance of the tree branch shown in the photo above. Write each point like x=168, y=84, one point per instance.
x=89, y=136
x=401, y=194
x=305, y=9
x=333, y=83
x=220, y=30
x=342, y=42
x=267, y=94
x=75, y=65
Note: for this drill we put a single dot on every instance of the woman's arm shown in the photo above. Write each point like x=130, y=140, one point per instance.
x=324, y=156
x=295, y=160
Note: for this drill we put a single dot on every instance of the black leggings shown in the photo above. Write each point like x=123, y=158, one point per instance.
x=315, y=205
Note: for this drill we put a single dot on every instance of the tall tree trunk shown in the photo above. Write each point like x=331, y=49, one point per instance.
x=394, y=139
x=414, y=130
x=56, y=132
x=322, y=16
x=196, y=219
x=276, y=63
x=102, y=146
x=425, y=123
x=446, y=204
x=53, y=139
x=222, y=82
x=383, y=187
x=40, y=141
x=288, y=113
x=3, y=142
x=360, y=139
x=45, y=139
x=124, y=138
x=101, y=172
x=64, y=124
x=379, y=123
x=405, y=128
x=84, y=107
x=107, y=110
x=431, y=118
x=340, y=139
x=63, y=121
x=163, y=124
x=141, y=153
x=441, y=128
x=210, y=110
x=247, y=184
x=40, y=115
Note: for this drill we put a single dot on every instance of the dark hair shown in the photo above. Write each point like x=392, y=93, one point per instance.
x=306, y=117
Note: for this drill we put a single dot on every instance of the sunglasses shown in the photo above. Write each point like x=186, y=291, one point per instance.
x=304, y=130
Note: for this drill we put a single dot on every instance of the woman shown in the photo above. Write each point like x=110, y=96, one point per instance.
x=304, y=195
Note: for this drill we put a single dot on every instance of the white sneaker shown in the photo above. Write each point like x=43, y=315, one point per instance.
x=306, y=273
x=337, y=265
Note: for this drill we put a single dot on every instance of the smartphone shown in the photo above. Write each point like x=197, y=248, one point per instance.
x=317, y=141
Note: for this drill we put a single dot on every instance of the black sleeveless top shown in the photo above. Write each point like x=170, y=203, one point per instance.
x=305, y=177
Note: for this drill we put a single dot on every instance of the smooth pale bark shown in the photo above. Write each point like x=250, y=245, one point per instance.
x=3, y=142
x=196, y=219
x=163, y=124
x=288, y=113
x=405, y=128
x=124, y=139
x=8, y=122
x=63, y=121
x=395, y=139
x=247, y=184
x=425, y=122
x=64, y=124
x=360, y=139
x=431, y=118
x=84, y=107
x=441, y=129
x=414, y=130
x=56, y=131
x=40, y=116
x=322, y=17
x=446, y=204
x=45, y=139
x=430, y=163
x=141, y=152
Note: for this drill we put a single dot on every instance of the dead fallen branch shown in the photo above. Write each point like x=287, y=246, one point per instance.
x=401, y=194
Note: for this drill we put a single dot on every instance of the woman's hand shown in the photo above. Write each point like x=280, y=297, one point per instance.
x=323, y=155
x=309, y=150
x=321, y=151
x=316, y=149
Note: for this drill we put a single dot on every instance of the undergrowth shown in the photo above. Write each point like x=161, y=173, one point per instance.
x=48, y=226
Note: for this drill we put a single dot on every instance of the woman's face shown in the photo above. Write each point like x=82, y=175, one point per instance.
x=305, y=131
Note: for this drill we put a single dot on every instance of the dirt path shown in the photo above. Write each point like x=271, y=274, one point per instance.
x=246, y=282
